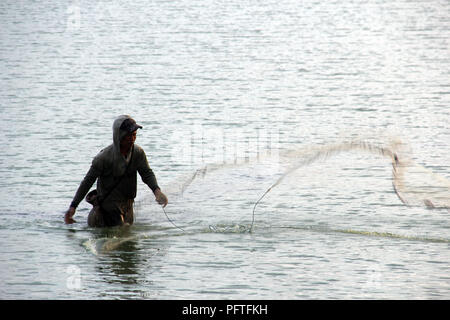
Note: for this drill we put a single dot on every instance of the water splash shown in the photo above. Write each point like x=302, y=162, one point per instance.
x=223, y=228
x=103, y=245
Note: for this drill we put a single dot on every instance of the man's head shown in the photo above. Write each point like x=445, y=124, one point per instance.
x=128, y=131
x=129, y=125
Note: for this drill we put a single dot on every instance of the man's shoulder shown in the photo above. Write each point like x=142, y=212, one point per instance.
x=139, y=154
x=138, y=150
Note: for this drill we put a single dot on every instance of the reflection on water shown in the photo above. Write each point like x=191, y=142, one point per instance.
x=119, y=257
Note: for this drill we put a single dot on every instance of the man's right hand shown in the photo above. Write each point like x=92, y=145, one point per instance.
x=69, y=214
x=161, y=198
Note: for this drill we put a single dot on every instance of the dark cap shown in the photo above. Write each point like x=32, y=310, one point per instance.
x=129, y=125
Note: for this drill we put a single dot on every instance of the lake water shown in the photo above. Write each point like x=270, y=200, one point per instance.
x=231, y=85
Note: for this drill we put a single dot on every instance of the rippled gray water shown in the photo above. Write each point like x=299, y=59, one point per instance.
x=214, y=82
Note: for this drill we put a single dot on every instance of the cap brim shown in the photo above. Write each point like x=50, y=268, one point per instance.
x=135, y=127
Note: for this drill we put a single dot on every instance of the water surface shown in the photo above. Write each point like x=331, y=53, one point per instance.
x=212, y=82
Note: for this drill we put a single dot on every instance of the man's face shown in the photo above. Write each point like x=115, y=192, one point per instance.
x=128, y=140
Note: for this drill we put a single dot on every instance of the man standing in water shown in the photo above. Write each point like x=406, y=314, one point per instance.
x=115, y=169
